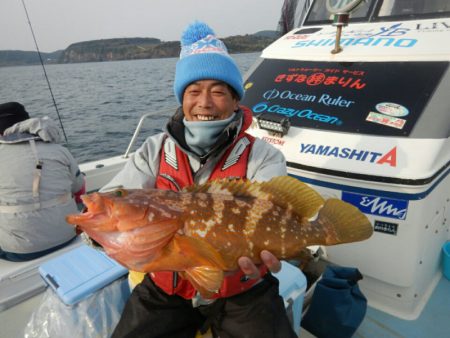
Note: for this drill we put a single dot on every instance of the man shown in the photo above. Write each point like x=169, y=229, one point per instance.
x=205, y=140
x=38, y=178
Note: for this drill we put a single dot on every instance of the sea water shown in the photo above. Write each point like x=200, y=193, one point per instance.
x=100, y=103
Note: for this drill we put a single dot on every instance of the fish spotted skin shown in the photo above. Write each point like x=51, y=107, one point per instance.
x=204, y=229
x=244, y=226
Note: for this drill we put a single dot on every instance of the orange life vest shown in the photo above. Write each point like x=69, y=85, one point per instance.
x=175, y=174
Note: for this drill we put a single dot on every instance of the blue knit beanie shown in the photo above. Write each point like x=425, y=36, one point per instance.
x=204, y=57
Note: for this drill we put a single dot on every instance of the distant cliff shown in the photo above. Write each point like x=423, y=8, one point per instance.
x=20, y=57
x=130, y=49
x=111, y=50
x=149, y=48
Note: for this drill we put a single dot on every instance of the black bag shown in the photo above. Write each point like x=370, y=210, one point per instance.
x=338, y=306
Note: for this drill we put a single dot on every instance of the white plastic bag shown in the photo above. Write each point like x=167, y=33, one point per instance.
x=93, y=317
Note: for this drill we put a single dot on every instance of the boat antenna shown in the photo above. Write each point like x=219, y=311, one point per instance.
x=45, y=73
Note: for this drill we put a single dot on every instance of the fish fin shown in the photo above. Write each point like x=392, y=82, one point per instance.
x=224, y=186
x=206, y=279
x=284, y=191
x=343, y=222
x=183, y=253
x=195, y=259
x=289, y=192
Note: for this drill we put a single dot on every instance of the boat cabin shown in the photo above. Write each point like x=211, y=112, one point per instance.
x=357, y=99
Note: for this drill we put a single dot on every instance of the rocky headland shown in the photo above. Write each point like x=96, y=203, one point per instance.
x=129, y=49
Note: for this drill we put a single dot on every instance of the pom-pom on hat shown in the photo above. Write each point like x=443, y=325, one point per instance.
x=204, y=57
x=10, y=114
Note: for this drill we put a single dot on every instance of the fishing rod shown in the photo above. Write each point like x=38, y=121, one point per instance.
x=45, y=72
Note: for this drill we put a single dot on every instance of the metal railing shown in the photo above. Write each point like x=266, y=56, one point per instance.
x=138, y=129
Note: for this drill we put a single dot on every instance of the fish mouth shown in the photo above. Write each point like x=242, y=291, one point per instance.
x=79, y=219
x=95, y=208
x=93, y=202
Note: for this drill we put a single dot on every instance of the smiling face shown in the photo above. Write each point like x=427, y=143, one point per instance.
x=208, y=100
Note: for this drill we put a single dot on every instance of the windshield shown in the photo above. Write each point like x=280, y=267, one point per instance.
x=416, y=8
x=379, y=10
x=319, y=12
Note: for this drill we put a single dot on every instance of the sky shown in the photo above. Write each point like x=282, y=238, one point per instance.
x=59, y=23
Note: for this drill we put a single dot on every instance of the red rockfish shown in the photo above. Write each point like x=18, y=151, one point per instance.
x=203, y=230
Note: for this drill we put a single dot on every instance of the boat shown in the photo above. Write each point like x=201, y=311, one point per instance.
x=22, y=288
x=357, y=100
x=356, y=97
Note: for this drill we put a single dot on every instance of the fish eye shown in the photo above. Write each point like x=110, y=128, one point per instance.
x=120, y=192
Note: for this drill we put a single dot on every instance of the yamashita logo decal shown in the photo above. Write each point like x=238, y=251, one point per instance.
x=381, y=158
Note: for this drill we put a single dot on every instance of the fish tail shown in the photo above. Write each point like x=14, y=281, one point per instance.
x=342, y=223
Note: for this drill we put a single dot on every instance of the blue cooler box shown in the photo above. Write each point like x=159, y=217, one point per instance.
x=292, y=289
x=79, y=273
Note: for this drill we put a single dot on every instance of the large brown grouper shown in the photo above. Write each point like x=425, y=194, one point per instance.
x=203, y=230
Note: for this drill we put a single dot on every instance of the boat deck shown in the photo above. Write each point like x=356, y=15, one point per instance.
x=434, y=321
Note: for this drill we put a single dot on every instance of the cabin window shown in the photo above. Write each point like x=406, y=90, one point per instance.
x=413, y=8
x=320, y=14
x=380, y=10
